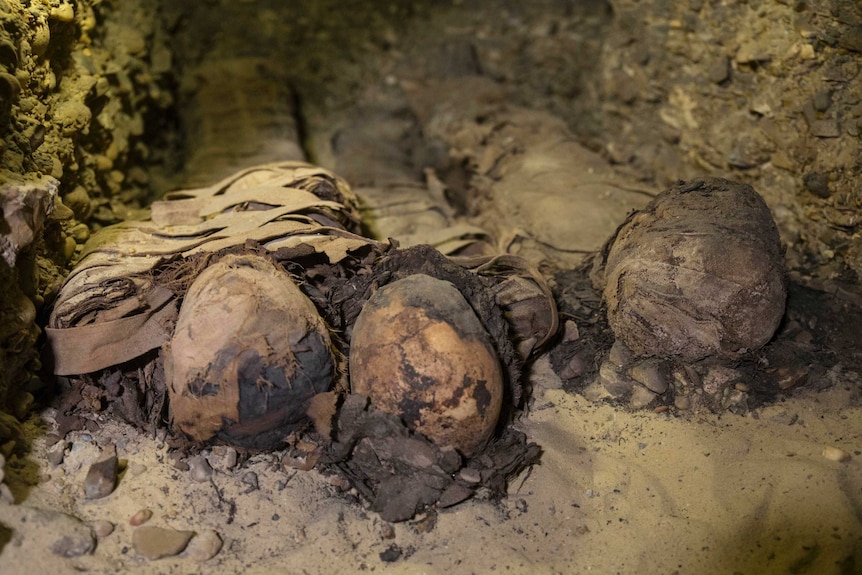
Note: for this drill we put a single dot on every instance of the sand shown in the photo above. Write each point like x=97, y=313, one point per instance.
x=616, y=492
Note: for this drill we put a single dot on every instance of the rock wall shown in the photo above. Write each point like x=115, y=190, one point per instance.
x=767, y=93
x=85, y=125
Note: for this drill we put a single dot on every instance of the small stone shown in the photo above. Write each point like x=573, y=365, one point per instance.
x=101, y=478
x=616, y=383
x=102, y=528
x=393, y=553
x=57, y=453
x=78, y=201
x=70, y=546
x=180, y=464
x=449, y=459
x=250, y=479
x=71, y=537
x=806, y=52
x=777, y=414
x=851, y=38
x=157, y=542
x=223, y=458
x=822, y=100
x=41, y=37
x=817, y=184
x=827, y=128
x=570, y=331
x=682, y=402
x=141, y=517
x=454, y=494
x=752, y=52
x=199, y=470
x=69, y=246
x=573, y=369
x=64, y=12
x=80, y=232
x=470, y=475
x=387, y=531
x=641, y=397
x=204, y=546
x=136, y=468
x=620, y=354
x=835, y=454
x=718, y=71
x=649, y=374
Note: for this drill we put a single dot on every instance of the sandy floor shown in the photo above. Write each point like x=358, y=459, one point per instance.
x=616, y=492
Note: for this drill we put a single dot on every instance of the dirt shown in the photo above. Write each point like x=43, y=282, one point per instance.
x=97, y=104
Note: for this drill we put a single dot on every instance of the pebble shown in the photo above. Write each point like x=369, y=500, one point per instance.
x=570, y=331
x=851, y=38
x=223, y=458
x=179, y=463
x=835, y=454
x=470, y=475
x=199, y=470
x=641, y=397
x=141, y=517
x=102, y=528
x=157, y=542
x=204, y=546
x=250, y=479
x=73, y=546
x=57, y=453
x=69, y=536
x=827, y=128
x=822, y=100
x=41, y=37
x=136, y=469
x=682, y=402
x=649, y=374
x=620, y=355
x=64, y=13
x=69, y=245
x=101, y=478
x=80, y=232
x=78, y=201
x=779, y=415
x=616, y=383
x=719, y=70
x=806, y=52
x=817, y=184
x=454, y=494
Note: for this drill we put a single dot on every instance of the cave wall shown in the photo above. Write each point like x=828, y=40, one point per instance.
x=84, y=116
x=768, y=93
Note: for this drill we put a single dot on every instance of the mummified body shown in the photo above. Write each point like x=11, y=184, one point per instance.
x=248, y=353
x=236, y=299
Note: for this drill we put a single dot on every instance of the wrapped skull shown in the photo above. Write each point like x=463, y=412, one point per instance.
x=419, y=351
x=248, y=353
x=698, y=272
